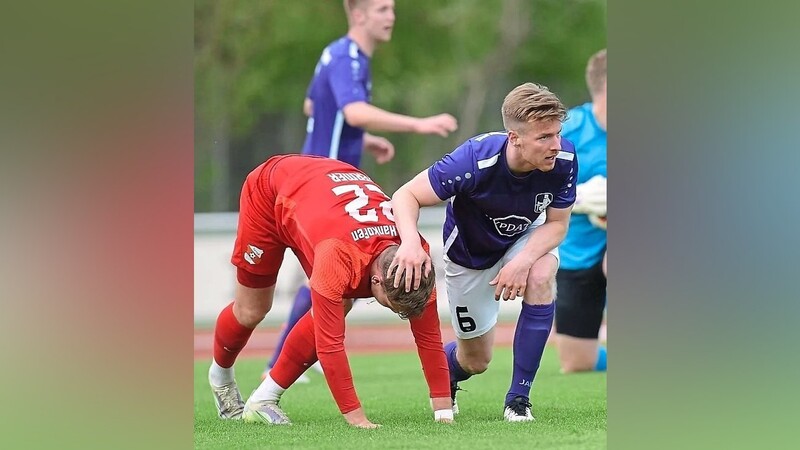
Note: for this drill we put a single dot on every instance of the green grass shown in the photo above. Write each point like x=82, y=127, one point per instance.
x=570, y=410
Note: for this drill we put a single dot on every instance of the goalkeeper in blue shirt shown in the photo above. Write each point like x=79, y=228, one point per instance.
x=581, y=276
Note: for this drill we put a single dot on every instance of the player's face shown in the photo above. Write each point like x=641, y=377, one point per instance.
x=379, y=19
x=539, y=142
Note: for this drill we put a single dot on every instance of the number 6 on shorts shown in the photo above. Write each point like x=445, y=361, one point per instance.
x=465, y=322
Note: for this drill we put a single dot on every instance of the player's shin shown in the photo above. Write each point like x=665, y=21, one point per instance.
x=230, y=337
x=530, y=337
x=298, y=353
x=300, y=306
x=457, y=373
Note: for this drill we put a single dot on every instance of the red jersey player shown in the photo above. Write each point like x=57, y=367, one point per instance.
x=339, y=224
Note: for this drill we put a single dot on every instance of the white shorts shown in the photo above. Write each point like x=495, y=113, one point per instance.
x=473, y=309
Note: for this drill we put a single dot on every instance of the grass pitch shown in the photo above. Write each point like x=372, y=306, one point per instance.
x=570, y=410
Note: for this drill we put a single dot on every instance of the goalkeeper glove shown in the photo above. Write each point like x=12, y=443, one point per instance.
x=599, y=222
x=590, y=197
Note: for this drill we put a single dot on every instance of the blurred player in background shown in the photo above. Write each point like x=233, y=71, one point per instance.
x=510, y=194
x=338, y=105
x=582, y=275
x=339, y=224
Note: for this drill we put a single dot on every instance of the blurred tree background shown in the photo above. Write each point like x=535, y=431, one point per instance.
x=254, y=59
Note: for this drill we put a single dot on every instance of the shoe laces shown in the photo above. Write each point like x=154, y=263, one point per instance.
x=230, y=401
x=520, y=406
x=277, y=410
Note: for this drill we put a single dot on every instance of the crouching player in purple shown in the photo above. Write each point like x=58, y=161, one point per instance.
x=510, y=195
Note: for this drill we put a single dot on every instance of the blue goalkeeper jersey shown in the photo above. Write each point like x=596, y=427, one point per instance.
x=490, y=208
x=342, y=76
x=585, y=244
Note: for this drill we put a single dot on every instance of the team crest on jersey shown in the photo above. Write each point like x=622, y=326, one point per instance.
x=542, y=200
x=253, y=254
x=511, y=225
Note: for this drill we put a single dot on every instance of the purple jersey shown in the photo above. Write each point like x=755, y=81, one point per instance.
x=341, y=77
x=490, y=207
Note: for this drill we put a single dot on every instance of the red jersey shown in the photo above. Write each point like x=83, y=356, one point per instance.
x=337, y=221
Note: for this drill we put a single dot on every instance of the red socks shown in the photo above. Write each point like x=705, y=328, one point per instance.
x=298, y=353
x=230, y=337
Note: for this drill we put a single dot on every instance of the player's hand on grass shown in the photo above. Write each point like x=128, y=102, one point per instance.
x=442, y=409
x=445, y=419
x=512, y=279
x=358, y=419
x=412, y=260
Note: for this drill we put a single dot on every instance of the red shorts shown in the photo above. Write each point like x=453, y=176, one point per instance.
x=259, y=248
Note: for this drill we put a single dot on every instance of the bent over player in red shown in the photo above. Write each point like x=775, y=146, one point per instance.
x=339, y=224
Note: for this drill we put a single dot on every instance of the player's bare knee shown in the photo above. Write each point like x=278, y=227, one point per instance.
x=540, y=291
x=476, y=365
x=250, y=315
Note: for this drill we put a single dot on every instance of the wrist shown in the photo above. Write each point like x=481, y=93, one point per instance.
x=443, y=414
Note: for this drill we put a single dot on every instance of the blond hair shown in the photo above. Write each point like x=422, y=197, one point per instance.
x=350, y=5
x=407, y=304
x=596, y=72
x=528, y=102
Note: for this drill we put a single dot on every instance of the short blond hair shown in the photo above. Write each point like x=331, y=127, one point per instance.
x=350, y=5
x=596, y=72
x=528, y=102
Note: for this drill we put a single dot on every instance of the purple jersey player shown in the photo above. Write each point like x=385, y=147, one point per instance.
x=338, y=108
x=510, y=195
x=338, y=98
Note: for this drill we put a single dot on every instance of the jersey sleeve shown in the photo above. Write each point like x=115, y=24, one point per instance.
x=333, y=271
x=428, y=337
x=347, y=82
x=565, y=196
x=454, y=173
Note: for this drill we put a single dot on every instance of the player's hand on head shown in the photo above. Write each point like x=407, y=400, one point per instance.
x=413, y=261
x=512, y=279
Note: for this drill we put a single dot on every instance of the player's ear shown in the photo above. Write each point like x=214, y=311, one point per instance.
x=513, y=137
x=375, y=280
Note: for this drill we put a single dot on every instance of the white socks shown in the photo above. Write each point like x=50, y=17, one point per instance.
x=267, y=391
x=218, y=375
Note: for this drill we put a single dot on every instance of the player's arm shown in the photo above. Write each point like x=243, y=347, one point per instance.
x=428, y=337
x=406, y=203
x=361, y=114
x=548, y=235
x=513, y=277
x=330, y=274
x=329, y=328
x=353, y=99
